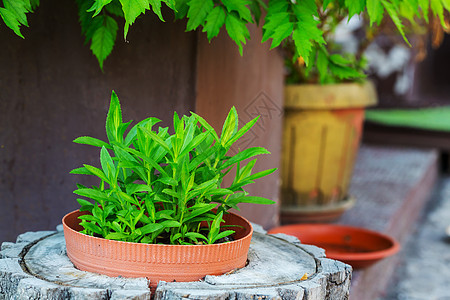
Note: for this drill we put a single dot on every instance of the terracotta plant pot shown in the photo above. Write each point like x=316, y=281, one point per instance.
x=322, y=132
x=154, y=261
x=355, y=246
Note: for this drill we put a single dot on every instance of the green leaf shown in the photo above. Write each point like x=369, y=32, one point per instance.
x=273, y=21
x=247, y=153
x=97, y=172
x=89, y=24
x=92, y=227
x=133, y=188
x=239, y=6
x=168, y=181
x=93, y=194
x=237, y=30
x=215, y=228
x=200, y=210
x=34, y=4
x=88, y=218
x=19, y=8
x=355, y=7
x=260, y=174
x=147, y=159
x=222, y=235
x=424, y=5
x=107, y=164
x=251, y=199
x=113, y=119
x=115, y=8
x=156, y=7
x=391, y=9
x=181, y=9
x=156, y=139
x=438, y=10
x=98, y=6
x=345, y=72
x=375, y=10
x=83, y=202
x=241, y=132
x=132, y=9
x=326, y=3
x=219, y=192
x=128, y=198
x=150, y=228
x=170, y=224
x=11, y=21
x=322, y=65
x=170, y=193
x=119, y=236
x=104, y=38
x=87, y=140
x=230, y=126
x=303, y=36
x=255, y=9
x=214, y=21
x=208, y=127
x=81, y=171
x=197, y=13
x=194, y=143
x=125, y=157
x=195, y=235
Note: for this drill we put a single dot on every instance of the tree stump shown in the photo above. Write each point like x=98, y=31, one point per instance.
x=279, y=267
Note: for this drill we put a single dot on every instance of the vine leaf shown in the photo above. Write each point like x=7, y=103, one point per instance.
x=11, y=21
x=132, y=9
x=375, y=10
x=104, y=38
x=237, y=31
x=239, y=6
x=19, y=8
x=391, y=9
x=214, y=22
x=156, y=7
x=197, y=13
x=424, y=5
x=14, y=14
x=438, y=10
x=355, y=7
x=302, y=36
x=98, y=6
x=273, y=22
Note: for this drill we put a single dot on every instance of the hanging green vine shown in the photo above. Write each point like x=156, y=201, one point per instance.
x=298, y=22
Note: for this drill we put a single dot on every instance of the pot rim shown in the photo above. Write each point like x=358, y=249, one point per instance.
x=346, y=95
x=66, y=226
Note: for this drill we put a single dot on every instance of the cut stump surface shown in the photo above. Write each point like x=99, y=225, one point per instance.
x=37, y=267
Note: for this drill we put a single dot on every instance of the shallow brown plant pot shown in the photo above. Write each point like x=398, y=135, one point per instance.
x=355, y=246
x=154, y=261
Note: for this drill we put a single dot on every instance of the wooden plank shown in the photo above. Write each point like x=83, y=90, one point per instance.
x=254, y=84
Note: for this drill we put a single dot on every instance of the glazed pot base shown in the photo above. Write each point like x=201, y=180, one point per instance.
x=316, y=213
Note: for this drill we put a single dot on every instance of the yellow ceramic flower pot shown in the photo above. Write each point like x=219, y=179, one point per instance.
x=321, y=137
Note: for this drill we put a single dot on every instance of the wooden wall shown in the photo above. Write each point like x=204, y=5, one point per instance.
x=254, y=84
x=52, y=91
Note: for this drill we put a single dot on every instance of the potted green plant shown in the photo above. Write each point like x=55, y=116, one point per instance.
x=159, y=210
x=325, y=97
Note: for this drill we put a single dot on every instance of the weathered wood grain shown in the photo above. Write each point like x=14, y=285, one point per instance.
x=37, y=267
